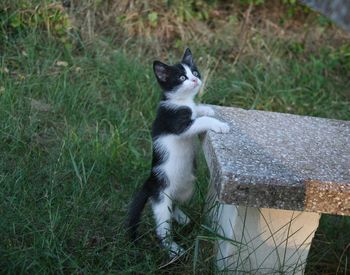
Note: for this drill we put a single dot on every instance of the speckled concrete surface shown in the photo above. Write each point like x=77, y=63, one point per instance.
x=284, y=161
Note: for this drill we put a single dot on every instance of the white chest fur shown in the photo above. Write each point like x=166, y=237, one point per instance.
x=178, y=166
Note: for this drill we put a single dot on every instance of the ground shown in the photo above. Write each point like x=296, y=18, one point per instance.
x=77, y=98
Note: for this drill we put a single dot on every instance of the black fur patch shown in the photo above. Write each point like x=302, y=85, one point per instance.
x=168, y=76
x=171, y=121
x=187, y=58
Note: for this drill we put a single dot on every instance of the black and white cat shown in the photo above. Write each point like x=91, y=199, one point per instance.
x=178, y=122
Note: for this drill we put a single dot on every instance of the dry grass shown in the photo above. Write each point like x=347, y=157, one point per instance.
x=232, y=27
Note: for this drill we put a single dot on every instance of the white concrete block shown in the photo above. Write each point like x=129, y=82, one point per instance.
x=266, y=241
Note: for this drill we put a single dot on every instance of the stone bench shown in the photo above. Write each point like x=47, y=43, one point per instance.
x=271, y=178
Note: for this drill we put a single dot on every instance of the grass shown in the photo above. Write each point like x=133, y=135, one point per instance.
x=75, y=145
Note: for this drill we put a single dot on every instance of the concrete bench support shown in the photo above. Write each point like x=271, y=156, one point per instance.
x=266, y=239
x=271, y=178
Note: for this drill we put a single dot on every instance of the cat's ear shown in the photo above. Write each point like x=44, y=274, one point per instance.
x=161, y=71
x=187, y=58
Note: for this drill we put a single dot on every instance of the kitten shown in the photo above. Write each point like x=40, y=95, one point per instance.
x=178, y=122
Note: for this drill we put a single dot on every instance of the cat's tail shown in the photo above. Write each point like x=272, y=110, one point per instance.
x=135, y=210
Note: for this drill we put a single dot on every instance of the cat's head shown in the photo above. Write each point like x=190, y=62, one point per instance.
x=180, y=80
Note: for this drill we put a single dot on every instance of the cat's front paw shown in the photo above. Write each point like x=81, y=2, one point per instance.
x=220, y=127
x=206, y=111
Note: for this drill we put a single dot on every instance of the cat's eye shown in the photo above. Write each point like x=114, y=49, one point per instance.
x=195, y=73
x=182, y=78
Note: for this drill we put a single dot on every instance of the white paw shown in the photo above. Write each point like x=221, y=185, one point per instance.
x=181, y=217
x=175, y=250
x=220, y=127
x=207, y=111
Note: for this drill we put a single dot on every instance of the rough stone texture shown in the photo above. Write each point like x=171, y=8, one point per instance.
x=336, y=10
x=284, y=161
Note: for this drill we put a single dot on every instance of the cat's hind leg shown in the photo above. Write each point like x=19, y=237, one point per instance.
x=162, y=210
x=183, y=195
x=180, y=216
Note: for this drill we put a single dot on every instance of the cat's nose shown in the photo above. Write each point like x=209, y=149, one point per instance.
x=195, y=80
